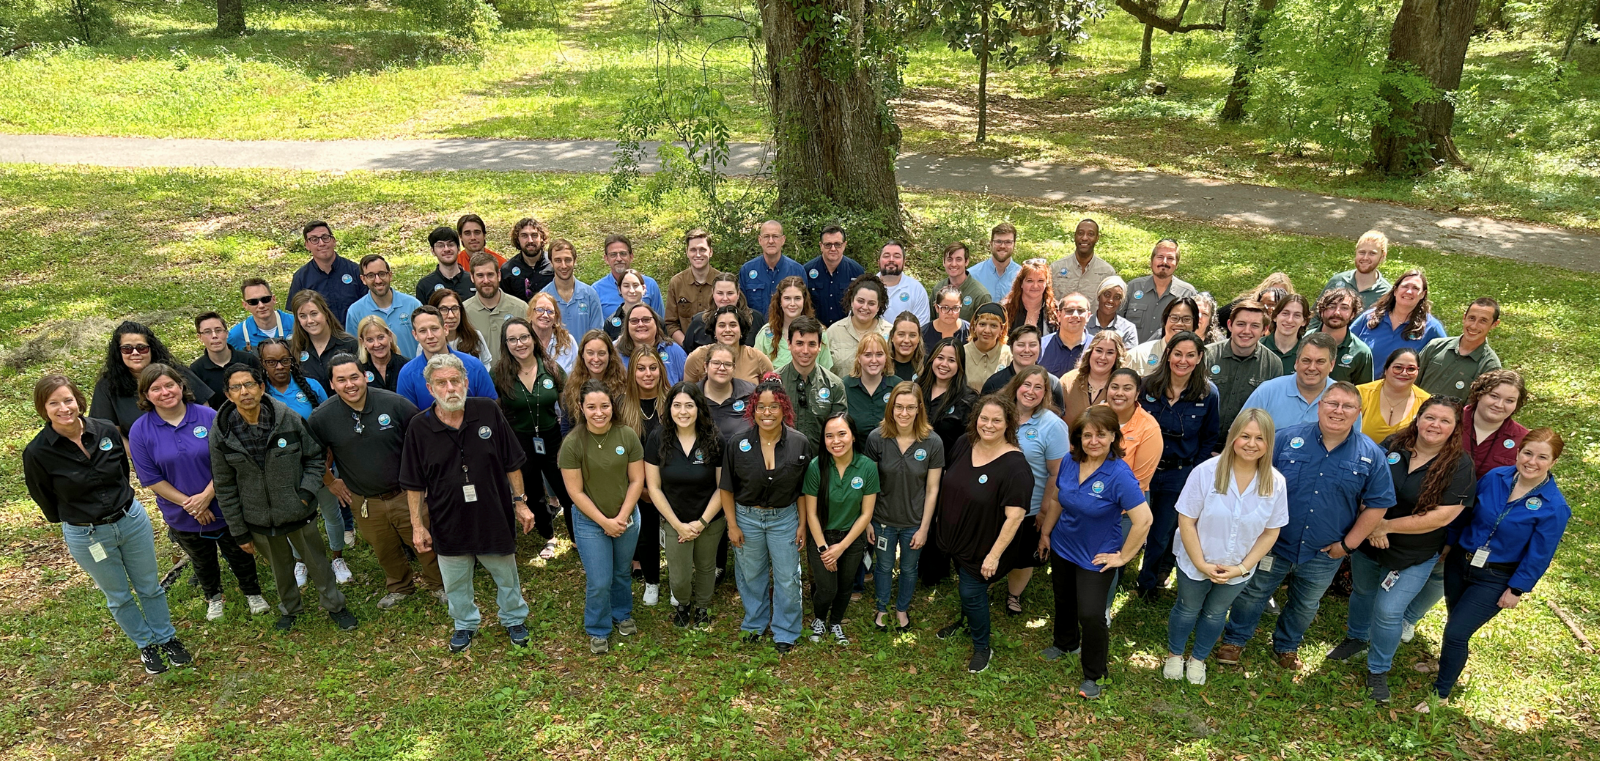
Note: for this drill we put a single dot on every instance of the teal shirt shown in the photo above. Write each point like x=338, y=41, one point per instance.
x=845, y=493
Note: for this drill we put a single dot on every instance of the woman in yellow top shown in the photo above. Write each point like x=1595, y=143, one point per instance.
x=1389, y=403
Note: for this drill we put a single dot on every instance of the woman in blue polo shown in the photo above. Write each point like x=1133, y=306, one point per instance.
x=1517, y=523
x=1087, y=543
x=1042, y=437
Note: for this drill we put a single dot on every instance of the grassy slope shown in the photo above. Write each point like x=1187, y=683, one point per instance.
x=77, y=246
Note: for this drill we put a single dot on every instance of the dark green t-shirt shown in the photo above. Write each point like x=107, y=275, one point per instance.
x=845, y=493
x=604, y=462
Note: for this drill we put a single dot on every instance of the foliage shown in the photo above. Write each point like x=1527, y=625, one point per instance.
x=471, y=19
x=1054, y=25
x=34, y=22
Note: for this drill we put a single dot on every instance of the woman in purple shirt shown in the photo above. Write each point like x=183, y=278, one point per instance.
x=171, y=453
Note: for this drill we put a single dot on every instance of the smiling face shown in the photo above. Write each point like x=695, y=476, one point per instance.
x=1250, y=444
x=1084, y=239
x=892, y=260
x=1102, y=357
x=1096, y=441
x=529, y=240
x=320, y=242
x=165, y=394
x=864, y=307
x=1033, y=285
x=1436, y=425
x=618, y=258
x=1122, y=393
x=446, y=252
x=724, y=294
x=450, y=310
x=597, y=410
x=836, y=437
x=1368, y=256
x=378, y=278
x=473, y=237
x=377, y=342
x=769, y=412
x=904, y=340
x=719, y=366
x=803, y=349
x=486, y=278
x=1477, y=322
x=1031, y=393
x=642, y=324
x=596, y=356
x=1245, y=329
x=1408, y=293
x=429, y=332
x=1337, y=314
x=631, y=288
x=544, y=312
x=61, y=408
x=135, y=350
x=519, y=342
x=1108, y=302
x=1535, y=459
x=991, y=424
x=903, y=407
x=683, y=411
x=1495, y=406
x=1312, y=365
x=562, y=262
x=1183, y=359
x=1025, y=350
x=647, y=373
x=1181, y=318
x=873, y=359
x=1291, y=320
x=727, y=330
x=1164, y=261
x=1002, y=247
x=1403, y=370
x=1337, y=412
x=1074, y=313
x=349, y=382
x=792, y=301
x=945, y=364
x=955, y=265
x=699, y=252
x=311, y=318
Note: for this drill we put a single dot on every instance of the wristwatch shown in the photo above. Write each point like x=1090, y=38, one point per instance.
x=1345, y=547
x=1515, y=591
x=519, y=498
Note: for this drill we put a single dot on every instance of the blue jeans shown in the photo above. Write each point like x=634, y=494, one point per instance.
x=1311, y=580
x=1202, y=608
x=1376, y=613
x=128, y=570
x=1472, y=596
x=1158, y=558
x=607, y=572
x=892, y=538
x=974, y=592
x=769, y=553
x=1432, y=592
x=456, y=570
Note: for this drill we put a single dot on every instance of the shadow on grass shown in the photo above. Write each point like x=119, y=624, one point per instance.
x=317, y=54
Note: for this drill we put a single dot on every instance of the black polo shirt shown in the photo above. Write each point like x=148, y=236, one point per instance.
x=391, y=377
x=210, y=374
x=744, y=469
x=440, y=461
x=72, y=488
x=314, y=364
x=461, y=284
x=688, y=479
x=366, y=445
x=730, y=414
x=523, y=280
x=1407, y=550
x=1001, y=377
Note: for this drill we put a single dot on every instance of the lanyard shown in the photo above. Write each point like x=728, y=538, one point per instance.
x=1513, y=506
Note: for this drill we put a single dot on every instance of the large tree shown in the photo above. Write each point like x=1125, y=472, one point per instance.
x=1239, y=90
x=1430, y=38
x=230, y=18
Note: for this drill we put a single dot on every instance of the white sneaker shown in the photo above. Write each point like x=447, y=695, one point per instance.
x=341, y=571
x=214, y=609
x=1173, y=668
x=439, y=594
x=258, y=604
x=1408, y=631
x=349, y=538
x=652, y=594
x=300, y=574
x=392, y=599
x=674, y=602
x=1196, y=671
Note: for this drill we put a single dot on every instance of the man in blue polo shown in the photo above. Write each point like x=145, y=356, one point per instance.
x=580, y=305
x=384, y=301
x=619, y=258
x=1339, y=489
x=1293, y=399
x=338, y=279
x=828, y=276
x=427, y=326
x=759, y=277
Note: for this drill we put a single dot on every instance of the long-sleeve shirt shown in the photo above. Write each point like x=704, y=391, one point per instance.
x=73, y=487
x=1189, y=428
x=1327, y=488
x=1525, y=531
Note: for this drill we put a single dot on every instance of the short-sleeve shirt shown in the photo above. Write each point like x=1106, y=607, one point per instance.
x=687, y=478
x=824, y=395
x=1228, y=524
x=908, y=295
x=531, y=410
x=729, y=414
x=1373, y=423
x=1347, y=279
x=982, y=364
x=412, y=384
x=997, y=281
x=1091, y=511
x=973, y=295
x=295, y=398
x=604, y=461
x=846, y=493
x=1445, y=371
x=490, y=320
x=436, y=281
x=606, y=288
x=314, y=364
x=1407, y=550
x=1042, y=438
x=1327, y=489
x=210, y=374
x=367, y=446
x=1067, y=277
x=745, y=473
x=245, y=334
x=843, y=339
x=340, y=286
x=1281, y=399
x=867, y=408
x=827, y=288
x=441, y=462
x=1143, y=306
x=1497, y=450
x=397, y=317
x=973, y=501
x=581, y=313
x=123, y=411
x=903, y=477
x=179, y=455
x=760, y=283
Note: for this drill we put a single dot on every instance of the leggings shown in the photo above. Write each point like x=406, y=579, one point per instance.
x=538, y=468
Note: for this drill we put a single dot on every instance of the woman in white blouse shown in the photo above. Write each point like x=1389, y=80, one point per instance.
x=1229, y=514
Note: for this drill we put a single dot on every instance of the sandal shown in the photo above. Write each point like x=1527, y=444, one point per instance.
x=549, y=551
x=1013, y=604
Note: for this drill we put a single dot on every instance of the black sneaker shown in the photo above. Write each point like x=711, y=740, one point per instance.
x=681, y=617
x=285, y=623
x=518, y=634
x=818, y=628
x=1347, y=649
x=176, y=652
x=702, y=617
x=461, y=640
x=956, y=627
x=980, y=660
x=749, y=637
x=783, y=648
x=344, y=618
x=150, y=656
x=1378, y=684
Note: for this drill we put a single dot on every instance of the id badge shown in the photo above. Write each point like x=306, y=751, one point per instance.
x=1480, y=557
x=1388, y=581
x=1265, y=566
x=469, y=492
x=538, y=445
x=97, y=552
x=883, y=543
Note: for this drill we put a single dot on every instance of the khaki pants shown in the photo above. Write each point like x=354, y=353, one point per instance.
x=386, y=525
x=306, y=540
x=692, y=566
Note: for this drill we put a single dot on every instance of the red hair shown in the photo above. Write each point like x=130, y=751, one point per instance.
x=770, y=384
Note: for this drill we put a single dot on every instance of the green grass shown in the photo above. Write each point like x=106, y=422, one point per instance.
x=81, y=247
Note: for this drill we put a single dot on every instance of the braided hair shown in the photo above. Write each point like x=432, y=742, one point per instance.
x=295, y=376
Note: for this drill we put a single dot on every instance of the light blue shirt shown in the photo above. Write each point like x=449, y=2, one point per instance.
x=397, y=316
x=761, y=284
x=1280, y=397
x=295, y=399
x=1042, y=438
x=1385, y=338
x=246, y=331
x=583, y=313
x=998, y=283
x=611, y=297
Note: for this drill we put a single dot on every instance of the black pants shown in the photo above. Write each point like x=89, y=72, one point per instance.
x=648, y=551
x=830, y=594
x=933, y=566
x=1081, y=619
x=535, y=470
x=202, y=551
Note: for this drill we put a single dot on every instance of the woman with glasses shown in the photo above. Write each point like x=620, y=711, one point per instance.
x=530, y=383
x=646, y=331
x=632, y=289
x=727, y=397
x=1390, y=403
x=946, y=322
x=1179, y=316
x=910, y=461
x=724, y=293
x=133, y=347
x=1403, y=318
x=749, y=363
x=317, y=335
x=380, y=359
x=460, y=333
x=791, y=300
x=544, y=314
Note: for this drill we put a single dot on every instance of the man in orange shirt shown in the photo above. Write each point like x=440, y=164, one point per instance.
x=474, y=238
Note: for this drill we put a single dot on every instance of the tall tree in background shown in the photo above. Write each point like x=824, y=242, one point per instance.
x=1239, y=90
x=1148, y=13
x=230, y=18
x=1430, y=37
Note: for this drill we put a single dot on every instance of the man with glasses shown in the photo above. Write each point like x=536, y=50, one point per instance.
x=998, y=272
x=264, y=321
x=814, y=390
x=759, y=277
x=364, y=429
x=1339, y=489
x=1294, y=399
x=213, y=333
x=1063, y=348
x=829, y=275
x=1083, y=272
x=427, y=327
x=1151, y=293
x=1352, y=359
x=383, y=300
x=338, y=279
x=446, y=247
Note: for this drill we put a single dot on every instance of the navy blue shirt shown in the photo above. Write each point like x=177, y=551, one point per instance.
x=761, y=284
x=1189, y=429
x=1327, y=490
x=827, y=289
x=340, y=287
x=1529, y=528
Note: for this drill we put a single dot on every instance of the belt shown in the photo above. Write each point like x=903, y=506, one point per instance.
x=113, y=518
x=766, y=507
x=386, y=495
x=1174, y=464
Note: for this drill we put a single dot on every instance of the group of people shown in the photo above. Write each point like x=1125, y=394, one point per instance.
x=773, y=416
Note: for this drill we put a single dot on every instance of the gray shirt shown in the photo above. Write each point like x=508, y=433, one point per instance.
x=1142, y=306
x=903, y=477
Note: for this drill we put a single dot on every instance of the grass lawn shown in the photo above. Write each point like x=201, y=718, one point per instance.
x=327, y=71
x=81, y=248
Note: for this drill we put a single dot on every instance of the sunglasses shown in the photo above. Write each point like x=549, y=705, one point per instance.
x=258, y=302
x=130, y=349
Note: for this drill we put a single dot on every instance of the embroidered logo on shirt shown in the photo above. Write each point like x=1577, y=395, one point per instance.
x=966, y=302
x=1216, y=369
x=886, y=398
x=516, y=270
x=1148, y=397
x=583, y=306
x=1394, y=458
x=1097, y=487
x=620, y=450
x=1345, y=360
x=752, y=274
x=300, y=396
x=1296, y=442
x=857, y=483
x=1033, y=433
x=549, y=384
x=384, y=419
x=616, y=322
x=438, y=286
x=699, y=457
x=484, y=432
x=663, y=358
x=370, y=376
x=983, y=479
x=1152, y=360
x=105, y=443
x=200, y=432
x=1534, y=503
x=905, y=296
x=281, y=443
x=813, y=274
x=738, y=406
x=744, y=444
x=346, y=279
x=822, y=394
x=920, y=454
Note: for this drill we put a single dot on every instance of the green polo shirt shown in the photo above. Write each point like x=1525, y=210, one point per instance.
x=1237, y=377
x=845, y=493
x=973, y=295
x=1447, y=372
x=1370, y=296
x=603, y=461
x=824, y=395
x=1352, y=363
x=867, y=409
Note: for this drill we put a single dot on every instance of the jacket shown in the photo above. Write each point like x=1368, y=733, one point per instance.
x=279, y=498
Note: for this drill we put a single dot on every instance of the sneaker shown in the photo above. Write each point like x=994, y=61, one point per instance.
x=674, y=599
x=392, y=599
x=1347, y=649
x=783, y=648
x=681, y=617
x=344, y=618
x=599, y=645
x=438, y=594
x=652, y=594
x=1196, y=671
x=349, y=538
x=818, y=628
x=1229, y=655
x=1089, y=690
x=300, y=574
x=1173, y=668
x=1408, y=631
x=627, y=628
x=956, y=627
x=1052, y=653
x=150, y=656
x=702, y=617
x=461, y=640
x=285, y=623
x=215, y=609
x=1289, y=660
x=341, y=571
x=1378, y=684
x=838, y=635
x=518, y=634
x=980, y=660
x=176, y=653
x=258, y=604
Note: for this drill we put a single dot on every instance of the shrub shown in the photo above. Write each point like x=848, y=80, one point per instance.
x=469, y=19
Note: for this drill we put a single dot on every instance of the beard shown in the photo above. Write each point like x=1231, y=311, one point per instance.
x=892, y=269
x=452, y=402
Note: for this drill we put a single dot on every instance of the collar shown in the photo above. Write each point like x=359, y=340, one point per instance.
x=1294, y=386
x=188, y=417
x=52, y=436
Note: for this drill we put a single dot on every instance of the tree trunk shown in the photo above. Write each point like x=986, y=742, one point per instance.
x=1239, y=91
x=230, y=18
x=983, y=80
x=1594, y=21
x=836, y=140
x=1494, y=15
x=1144, y=50
x=1432, y=37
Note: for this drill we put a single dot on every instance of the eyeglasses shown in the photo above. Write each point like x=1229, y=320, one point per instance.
x=948, y=308
x=129, y=349
x=544, y=311
x=518, y=340
x=267, y=299
x=723, y=364
x=384, y=275
x=214, y=332
x=449, y=310
x=319, y=238
x=1406, y=369
x=285, y=362
x=1036, y=263
x=357, y=417
x=641, y=320
x=246, y=386
x=1341, y=406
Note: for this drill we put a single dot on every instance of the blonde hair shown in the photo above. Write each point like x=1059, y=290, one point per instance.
x=920, y=428
x=1377, y=237
x=558, y=331
x=877, y=339
x=373, y=321
x=1264, y=472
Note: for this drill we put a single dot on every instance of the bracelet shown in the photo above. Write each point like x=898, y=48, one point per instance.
x=1345, y=547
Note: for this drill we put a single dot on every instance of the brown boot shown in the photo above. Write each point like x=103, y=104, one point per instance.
x=1289, y=660
x=1228, y=654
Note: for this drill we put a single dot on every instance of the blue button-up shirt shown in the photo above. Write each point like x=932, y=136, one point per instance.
x=611, y=298
x=997, y=281
x=1189, y=429
x=1281, y=399
x=1057, y=357
x=1529, y=528
x=411, y=385
x=583, y=313
x=1385, y=338
x=827, y=288
x=179, y=455
x=1042, y=438
x=340, y=287
x=1327, y=490
x=245, y=334
x=761, y=284
x=397, y=317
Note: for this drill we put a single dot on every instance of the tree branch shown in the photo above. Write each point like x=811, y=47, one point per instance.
x=1148, y=17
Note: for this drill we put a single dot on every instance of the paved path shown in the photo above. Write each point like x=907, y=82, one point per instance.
x=1146, y=192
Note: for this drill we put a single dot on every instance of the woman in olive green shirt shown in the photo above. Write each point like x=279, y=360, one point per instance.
x=529, y=382
x=837, y=499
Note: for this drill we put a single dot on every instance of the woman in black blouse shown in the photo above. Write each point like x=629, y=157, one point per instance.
x=641, y=411
x=983, y=498
x=133, y=347
x=317, y=335
x=379, y=357
x=530, y=383
x=682, y=466
x=949, y=400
